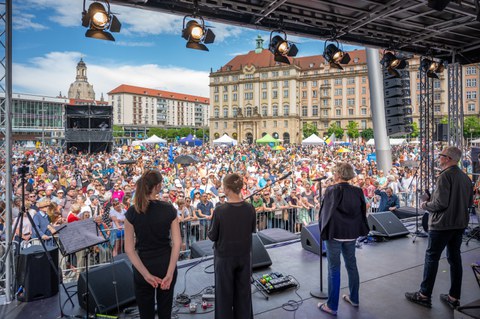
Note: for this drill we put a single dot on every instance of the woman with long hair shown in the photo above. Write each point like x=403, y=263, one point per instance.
x=152, y=243
x=231, y=231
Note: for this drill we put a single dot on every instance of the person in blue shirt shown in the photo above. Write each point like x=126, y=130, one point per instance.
x=205, y=212
x=388, y=200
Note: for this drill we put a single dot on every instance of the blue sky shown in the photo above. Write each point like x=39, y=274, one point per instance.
x=49, y=40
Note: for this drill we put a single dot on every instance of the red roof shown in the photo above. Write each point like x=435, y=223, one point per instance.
x=265, y=59
x=124, y=88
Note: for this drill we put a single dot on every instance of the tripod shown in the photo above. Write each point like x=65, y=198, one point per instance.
x=23, y=170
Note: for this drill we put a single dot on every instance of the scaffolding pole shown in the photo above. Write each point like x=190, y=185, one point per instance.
x=455, y=105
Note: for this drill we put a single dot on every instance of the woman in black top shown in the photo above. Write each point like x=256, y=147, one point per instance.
x=231, y=231
x=152, y=243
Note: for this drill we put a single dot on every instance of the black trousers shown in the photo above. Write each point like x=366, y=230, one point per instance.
x=145, y=293
x=233, y=294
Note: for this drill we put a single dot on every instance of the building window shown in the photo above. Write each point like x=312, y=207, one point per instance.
x=215, y=98
x=275, y=84
x=264, y=110
x=249, y=96
x=234, y=97
x=216, y=113
x=350, y=112
x=264, y=124
x=286, y=110
x=471, y=107
x=338, y=92
x=315, y=110
x=225, y=88
x=264, y=95
x=437, y=96
x=338, y=102
x=325, y=113
x=264, y=85
x=304, y=110
x=338, y=123
x=215, y=90
x=471, y=83
x=285, y=93
x=363, y=111
x=275, y=94
x=350, y=80
x=363, y=124
x=436, y=84
x=351, y=102
x=325, y=102
x=350, y=91
x=215, y=125
x=338, y=112
x=224, y=125
x=248, y=86
x=304, y=94
x=275, y=74
x=437, y=109
x=235, y=88
x=275, y=110
x=286, y=73
x=234, y=125
x=274, y=123
x=225, y=98
x=248, y=111
x=304, y=84
x=285, y=124
x=364, y=101
x=471, y=70
x=235, y=112
x=285, y=84
x=364, y=79
x=225, y=112
x=471, y=94
x=314, y=93
x=364, y=90
x=338, y=81
x=264, y=75
x=314, y=83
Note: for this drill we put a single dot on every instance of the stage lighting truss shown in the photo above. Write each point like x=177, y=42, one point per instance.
x=197, y=34
x=392, y=63
x=432, y=68
x=99, y=21
x=281, y=48
x=335, y=55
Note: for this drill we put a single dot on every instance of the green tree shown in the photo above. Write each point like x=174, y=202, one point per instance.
x=334, y=128
x=118, y=131
x=471, y=127
x=352, y=129
x=416, y=130
x=309, y=129
x=367, y=134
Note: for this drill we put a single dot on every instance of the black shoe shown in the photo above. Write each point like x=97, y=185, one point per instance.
x=446, y=299
x=417, y=298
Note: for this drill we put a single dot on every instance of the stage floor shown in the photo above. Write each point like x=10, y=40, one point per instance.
x=387, y=270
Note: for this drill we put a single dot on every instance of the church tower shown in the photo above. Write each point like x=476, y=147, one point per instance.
x=81, y=89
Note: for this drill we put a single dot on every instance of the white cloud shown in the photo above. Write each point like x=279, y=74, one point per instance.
x=24, y=21
x=52, y=73
x=134, y=44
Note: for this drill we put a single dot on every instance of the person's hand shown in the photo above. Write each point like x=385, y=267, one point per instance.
x=45, y=237
x=422, y=205
x=154, y=281
x=166, y=281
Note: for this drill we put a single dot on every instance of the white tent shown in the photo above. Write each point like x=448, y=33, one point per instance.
x=154, y=140
x=136, y=142
x=225, y=139
x=313, y=140
x=476, y=141
x=393, y=141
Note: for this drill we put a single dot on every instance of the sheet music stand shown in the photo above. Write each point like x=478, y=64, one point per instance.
x=77, y=236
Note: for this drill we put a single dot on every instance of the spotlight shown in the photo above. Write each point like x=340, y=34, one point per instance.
x=432, y=67
x=280, y=48
x=196, y=34
x=393, y=63
x=98, y=20
x=335, y=56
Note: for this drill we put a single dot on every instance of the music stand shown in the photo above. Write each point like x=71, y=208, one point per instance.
x=77, y=236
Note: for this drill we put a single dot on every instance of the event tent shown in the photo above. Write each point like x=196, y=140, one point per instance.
x=267, y=139
x=393, y=141
x=154, y=140
x=225, y=139
x=313, y=140
x=190, y=141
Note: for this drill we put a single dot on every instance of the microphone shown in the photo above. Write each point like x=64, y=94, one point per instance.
x=285, y=176
x=319, y=179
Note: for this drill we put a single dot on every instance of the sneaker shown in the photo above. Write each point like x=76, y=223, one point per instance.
x=417, y=298
x=347, y=299
x=446, y=299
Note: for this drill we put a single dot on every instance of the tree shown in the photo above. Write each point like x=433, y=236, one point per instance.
x=118, y=131
x=309, y=129
x=367, y=134
x=471, y=127
x=352, y=129
x=335, y=129
x=416, y=130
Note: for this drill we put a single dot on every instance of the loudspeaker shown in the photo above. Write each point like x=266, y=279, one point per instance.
x=35, y=274
x=442, y=133
x=275, y=235
x=260, y=256
x=310, y=238
x=386, y=224
x=109, y=286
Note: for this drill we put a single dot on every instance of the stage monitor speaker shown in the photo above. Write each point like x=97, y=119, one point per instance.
x=275, y=235
x=310, y=238
x=442, y=133
x=386, y=224
x=35, y=274
x=109, y=286
x=260, y=256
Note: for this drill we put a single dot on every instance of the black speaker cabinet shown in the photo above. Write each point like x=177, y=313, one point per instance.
x=310, y=238
x=275, y=235
x=442, y=133
x=260, y=256
x=386, y=224
x=109, y=286
x=35, y=274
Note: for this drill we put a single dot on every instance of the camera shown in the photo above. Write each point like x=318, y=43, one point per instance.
x=24, y=169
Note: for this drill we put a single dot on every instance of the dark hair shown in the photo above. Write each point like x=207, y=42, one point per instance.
x=233, y=182
x=145, y=185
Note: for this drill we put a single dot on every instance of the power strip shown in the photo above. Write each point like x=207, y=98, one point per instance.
x=208, y=297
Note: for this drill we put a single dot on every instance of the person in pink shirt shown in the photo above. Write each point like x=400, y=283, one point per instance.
x=117, y=192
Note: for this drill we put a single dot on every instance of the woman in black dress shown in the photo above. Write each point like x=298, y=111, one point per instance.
x=152, y=243
x=231, y=231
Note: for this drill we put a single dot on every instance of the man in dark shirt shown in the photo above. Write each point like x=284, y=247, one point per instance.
x=205, y=212
x=388, y=200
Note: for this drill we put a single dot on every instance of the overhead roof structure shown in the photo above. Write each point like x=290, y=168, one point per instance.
x=410, y=26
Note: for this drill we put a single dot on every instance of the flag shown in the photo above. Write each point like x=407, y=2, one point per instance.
x=170, y=154
x=331, y=140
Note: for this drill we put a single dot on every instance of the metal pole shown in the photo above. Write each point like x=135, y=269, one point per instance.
x=377, y=105
x=43, y=125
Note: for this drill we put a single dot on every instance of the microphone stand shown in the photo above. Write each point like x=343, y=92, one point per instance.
x=316, y=292
x=417, y=232
x=267, y=186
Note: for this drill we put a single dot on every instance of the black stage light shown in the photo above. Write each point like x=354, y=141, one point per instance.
x=438, y=5
x=393, y=63
x=432, y=68
x=335, y=56
x=281, y=48
x=99, y=21
x=196, y=34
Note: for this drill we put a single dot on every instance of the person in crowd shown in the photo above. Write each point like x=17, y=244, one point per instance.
x=205, y=212
x=343, y=217
x=221, y=199
x=72, y=215
x=117, y=214
x=152, y=243
x=388, y=200
x=41, y=220
x=231, y=231
x=449, y=215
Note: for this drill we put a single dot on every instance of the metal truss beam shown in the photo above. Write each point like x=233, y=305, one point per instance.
x=455, y=106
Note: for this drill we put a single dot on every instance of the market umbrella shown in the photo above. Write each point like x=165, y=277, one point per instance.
x=184, y=159
x=343, y=150
x=279, y=148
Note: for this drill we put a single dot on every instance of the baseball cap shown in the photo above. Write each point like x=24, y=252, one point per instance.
x=221, y=195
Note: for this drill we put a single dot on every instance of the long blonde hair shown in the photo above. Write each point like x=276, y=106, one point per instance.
x=145, y=185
